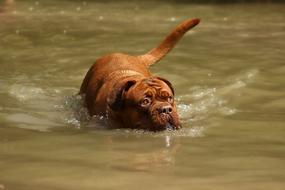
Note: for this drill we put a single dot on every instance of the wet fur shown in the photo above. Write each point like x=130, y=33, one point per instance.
x=116, y=83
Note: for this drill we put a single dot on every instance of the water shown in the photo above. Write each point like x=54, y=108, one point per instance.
x=228, y=75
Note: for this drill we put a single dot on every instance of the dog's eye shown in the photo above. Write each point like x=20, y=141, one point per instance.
x=170, y=99
x=145, y=101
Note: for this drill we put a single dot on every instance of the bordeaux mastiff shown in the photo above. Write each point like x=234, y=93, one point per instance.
x=121, y=88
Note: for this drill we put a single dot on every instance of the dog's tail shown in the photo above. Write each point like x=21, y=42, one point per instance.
x=168, y=43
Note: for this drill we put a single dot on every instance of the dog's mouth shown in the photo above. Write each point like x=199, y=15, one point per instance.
x=162, y=122
x=158, y=122
x=171, y=127
x=171, y=124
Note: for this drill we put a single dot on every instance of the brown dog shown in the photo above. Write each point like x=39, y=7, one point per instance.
x=121, y=88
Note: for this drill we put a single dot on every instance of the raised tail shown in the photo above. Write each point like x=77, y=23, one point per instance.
x=168, y=43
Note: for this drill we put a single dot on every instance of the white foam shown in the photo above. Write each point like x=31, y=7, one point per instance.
x=24, y=93
x=29, y=121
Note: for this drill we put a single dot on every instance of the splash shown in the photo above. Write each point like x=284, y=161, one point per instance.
x=76, y=114
x=209, y=102
x=33, y=107
x=25, y=93
x=196, y=109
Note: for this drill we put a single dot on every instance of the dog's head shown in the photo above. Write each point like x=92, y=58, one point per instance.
x=144, y=104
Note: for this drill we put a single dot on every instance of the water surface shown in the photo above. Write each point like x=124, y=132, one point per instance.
x=228, y=74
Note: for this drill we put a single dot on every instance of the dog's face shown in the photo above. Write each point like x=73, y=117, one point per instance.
x=145, y=104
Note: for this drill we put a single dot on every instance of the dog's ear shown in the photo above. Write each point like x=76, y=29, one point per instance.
x=168, y=83
x=116, y=97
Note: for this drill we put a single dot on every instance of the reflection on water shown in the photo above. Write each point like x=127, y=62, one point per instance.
x=228, y=75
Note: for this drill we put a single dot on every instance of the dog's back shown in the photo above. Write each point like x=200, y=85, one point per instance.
x=109, y=69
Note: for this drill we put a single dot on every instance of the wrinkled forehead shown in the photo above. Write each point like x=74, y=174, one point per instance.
x=150, y=87
x=155, y=84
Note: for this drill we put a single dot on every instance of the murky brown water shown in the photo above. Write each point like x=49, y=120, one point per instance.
x=228, y=74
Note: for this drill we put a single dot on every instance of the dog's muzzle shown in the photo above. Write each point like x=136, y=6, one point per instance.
x=164, y=117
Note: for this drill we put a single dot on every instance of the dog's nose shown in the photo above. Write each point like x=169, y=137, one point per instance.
x=165, y=109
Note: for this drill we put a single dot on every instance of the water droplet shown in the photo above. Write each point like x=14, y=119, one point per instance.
x=172, y=19
x=167, y=141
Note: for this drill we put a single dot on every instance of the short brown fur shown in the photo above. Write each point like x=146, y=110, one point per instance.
x=117, y=83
